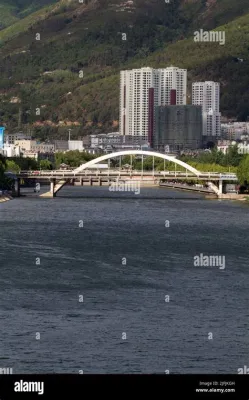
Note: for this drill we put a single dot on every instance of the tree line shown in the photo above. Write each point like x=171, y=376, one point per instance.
x=212, y=161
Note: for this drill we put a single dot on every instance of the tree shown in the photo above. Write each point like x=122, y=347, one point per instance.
x=25, y=163
x=12, y=167
x=243, y=171
x=6, y=183
x=46, y=164
x=2, y=164
x=55, y=118
x=73, y=158
x=232, y=156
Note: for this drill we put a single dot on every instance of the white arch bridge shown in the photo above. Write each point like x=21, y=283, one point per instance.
x=87, y=172
x=136, y=153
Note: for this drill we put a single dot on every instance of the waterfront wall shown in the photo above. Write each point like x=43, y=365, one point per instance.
x=233, y=196
x=5, y=198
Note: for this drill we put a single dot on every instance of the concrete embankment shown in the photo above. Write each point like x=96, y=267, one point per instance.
x=6, y=197
x=233, y=196
x=207, y=192
x=185, y=187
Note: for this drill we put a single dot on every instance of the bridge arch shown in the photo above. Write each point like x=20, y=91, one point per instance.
x=137, y=152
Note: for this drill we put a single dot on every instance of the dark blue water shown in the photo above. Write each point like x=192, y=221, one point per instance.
x=123, y=261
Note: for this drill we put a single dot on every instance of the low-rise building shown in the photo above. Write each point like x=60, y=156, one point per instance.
x=75, y=145
x=38, y=156
x=30, y=154
x=34, y=146
x=60, y=145
x=43, y=148
x=86, y=141
x=110, y=142
x=9, y=138
x=10, y=150
x=234, y=130
x=103, y=139
x=223, y=145
x=93, y=150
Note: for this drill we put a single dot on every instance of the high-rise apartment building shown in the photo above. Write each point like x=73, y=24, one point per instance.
x=207, y=95
x=141, y=90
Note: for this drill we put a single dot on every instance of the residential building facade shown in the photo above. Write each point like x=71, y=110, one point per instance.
x=60, y=145
x=234, y=130
x=141, y=90
x=34, y=146
x=9, y=138
x=207, y=95
x=75, y=145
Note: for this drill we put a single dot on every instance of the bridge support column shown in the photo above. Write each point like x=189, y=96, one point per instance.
x=17, y=188
x=81, y=181
x=91, y=182
x=52, y=186
x=220, y=186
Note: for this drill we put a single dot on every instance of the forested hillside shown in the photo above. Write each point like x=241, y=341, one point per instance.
x=70, y=75
x=13, y=10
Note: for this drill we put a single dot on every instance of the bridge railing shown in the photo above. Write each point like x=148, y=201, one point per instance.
x=89, y=172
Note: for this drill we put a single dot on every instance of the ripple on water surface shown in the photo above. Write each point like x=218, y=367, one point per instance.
x=124, y=274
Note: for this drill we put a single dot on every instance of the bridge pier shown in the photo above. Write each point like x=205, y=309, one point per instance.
x=218, y=190
x=16, y=191
x=81, y=181
x=220, y=186
x=52, y=186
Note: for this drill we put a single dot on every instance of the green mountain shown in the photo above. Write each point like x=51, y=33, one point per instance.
x=13, y=10
x=62, y=62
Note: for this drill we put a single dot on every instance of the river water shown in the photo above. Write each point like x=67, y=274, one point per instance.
x=105, y=282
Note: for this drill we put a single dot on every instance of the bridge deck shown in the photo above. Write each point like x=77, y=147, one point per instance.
x=47, y=175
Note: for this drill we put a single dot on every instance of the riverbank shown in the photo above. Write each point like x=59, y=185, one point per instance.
x=5, y=197
x=206, y=192
x=233, y=196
